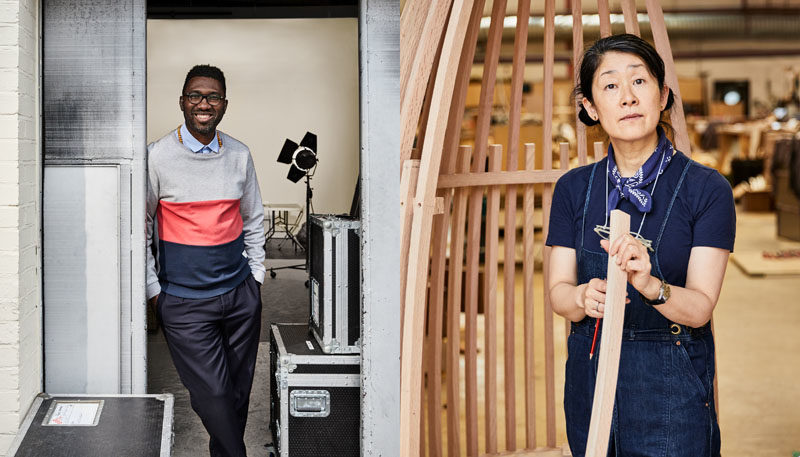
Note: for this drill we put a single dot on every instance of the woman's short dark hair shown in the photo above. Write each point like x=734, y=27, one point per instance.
x=625, y=43
x=207, y=71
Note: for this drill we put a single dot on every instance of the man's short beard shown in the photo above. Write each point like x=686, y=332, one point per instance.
x=205, y=130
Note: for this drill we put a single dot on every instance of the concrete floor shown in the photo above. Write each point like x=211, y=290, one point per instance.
x=285, y=299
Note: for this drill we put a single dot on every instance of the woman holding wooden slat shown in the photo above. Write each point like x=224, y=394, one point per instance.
x=683, y=227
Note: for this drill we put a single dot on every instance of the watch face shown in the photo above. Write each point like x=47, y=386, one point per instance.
x=665, y=292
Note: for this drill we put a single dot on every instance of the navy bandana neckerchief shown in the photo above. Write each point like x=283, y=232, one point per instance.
x=632, y=188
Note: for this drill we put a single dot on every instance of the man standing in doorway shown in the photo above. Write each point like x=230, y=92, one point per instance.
x=205, y=217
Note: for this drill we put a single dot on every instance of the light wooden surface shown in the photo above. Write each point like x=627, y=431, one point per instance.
x=577, y=53
x=605, y=18
x=488, y=83
x=510, y=226
x=490, y=301
x=598, y=151
x=418, y=258
x=455, y=288
x=456, y=114
x=549, y=40
x=528, y=267
x=502, y=178
x=436, y=312
x=610, y=344
x=471, y=304
x=661, y=40
x=416, y=65
x=408, y=185
x=629, y=13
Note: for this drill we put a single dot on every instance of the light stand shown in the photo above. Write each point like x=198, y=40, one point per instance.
x=303, y=158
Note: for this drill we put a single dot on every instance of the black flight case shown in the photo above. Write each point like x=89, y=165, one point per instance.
x=335, y=277
x=315, y=398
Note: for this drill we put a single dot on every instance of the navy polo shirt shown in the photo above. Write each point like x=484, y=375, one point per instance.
x=702, y=214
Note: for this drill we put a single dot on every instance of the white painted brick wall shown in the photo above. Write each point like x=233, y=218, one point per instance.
x=20, y=242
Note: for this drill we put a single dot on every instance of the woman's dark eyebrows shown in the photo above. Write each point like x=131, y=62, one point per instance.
x=633, y=65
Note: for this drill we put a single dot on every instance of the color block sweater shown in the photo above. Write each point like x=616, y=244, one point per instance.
x=205, y=217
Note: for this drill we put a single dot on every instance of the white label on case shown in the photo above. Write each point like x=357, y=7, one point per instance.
x=310, y=346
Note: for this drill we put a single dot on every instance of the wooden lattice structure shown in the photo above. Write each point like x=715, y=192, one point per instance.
x=443, y=189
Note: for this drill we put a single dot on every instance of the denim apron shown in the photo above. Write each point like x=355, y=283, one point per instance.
x=664, y=404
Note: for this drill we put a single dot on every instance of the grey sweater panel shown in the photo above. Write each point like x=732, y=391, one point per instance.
x=177, y=174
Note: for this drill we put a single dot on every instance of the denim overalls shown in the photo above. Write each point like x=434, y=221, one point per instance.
x=664, y=401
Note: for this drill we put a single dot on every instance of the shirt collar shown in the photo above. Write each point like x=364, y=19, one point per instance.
x=196, y=146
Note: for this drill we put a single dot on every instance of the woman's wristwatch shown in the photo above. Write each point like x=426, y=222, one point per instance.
x=663, y=295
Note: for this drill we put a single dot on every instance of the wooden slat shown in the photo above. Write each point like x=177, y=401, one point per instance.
x=471, y=304
x=454, y=288
x=488, y=83
x=456, y=116
x=577, y=53
x=598, y=151
x=426, y=110
x=435, y=318
x=610, y=345
x=408, y=185
x=473, y=227
x=605, y=18
x=490, y=300
x=528, y=269
x=661, y=40
x=549, y=43
x=631, y=21
x=412, y=20
x=500, y=178
x=510, y=224
x=424, y=202
x=417, y=72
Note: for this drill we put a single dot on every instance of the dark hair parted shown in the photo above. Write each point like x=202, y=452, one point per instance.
x=207, y=71
x=625, y=43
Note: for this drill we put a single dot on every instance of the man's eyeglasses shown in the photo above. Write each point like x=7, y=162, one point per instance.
x=212, y=99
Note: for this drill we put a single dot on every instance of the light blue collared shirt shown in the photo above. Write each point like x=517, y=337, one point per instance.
x=191, y=142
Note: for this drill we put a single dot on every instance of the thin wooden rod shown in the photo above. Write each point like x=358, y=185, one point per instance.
x=408, y=185
x=631, y=21
x=510, y=225
x=577, y=53
x=435, y=319
x=490, y=301
x=597, y=146
x=471, y=304
x=505, y=178
x=528, y=269
x=456, y=114
x=488, y=83
x=661, y=39
x=549, y=43
x=412, y=20
x=417, y=73
x=605, y=18
x=610, y=344
x=426, y=108
x=517, y=80
x=454, y=289
x=424, y=206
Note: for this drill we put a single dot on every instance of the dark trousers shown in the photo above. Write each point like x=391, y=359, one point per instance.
x=213, y=343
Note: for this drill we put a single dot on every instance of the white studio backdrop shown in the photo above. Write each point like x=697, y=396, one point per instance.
x=284, y=77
